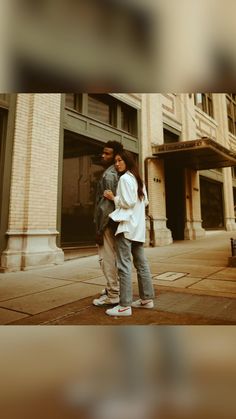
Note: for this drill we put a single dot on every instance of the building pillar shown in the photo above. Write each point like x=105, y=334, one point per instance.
x=187, y=107
x=160, y=235
x=229, y=216
x=34, y=184
x=193, y=222
x=223, y=138
x=152, y=133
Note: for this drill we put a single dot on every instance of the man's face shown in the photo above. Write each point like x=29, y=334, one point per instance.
x=107, y=156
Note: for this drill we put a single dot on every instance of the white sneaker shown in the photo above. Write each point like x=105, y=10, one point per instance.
x=105, y=300
x=119, y=311
x=143, y=304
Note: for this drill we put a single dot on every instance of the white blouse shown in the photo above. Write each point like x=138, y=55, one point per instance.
x=130, y=210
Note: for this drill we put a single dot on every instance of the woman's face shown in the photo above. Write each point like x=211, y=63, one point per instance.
x=120, y=164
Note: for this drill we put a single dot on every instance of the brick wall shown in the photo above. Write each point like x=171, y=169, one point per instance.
x=33, y=199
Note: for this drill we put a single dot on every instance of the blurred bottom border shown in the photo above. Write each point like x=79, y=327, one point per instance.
x=109, y=373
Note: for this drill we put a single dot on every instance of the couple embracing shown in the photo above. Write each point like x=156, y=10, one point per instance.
x=120, y=232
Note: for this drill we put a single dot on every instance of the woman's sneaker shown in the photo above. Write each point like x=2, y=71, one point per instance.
x=119, y=311
x=143, y=304
x=104, y=300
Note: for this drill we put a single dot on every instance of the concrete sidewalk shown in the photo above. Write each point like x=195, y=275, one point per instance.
x=192, y=282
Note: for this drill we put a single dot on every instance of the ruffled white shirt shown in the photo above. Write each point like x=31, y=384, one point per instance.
x=130, y=210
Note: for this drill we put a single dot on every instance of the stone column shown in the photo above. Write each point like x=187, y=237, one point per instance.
x=229, y=216
x=152, y=133
x=220, y=111
x=160, y=234
x=34, y=184
x=193, y=222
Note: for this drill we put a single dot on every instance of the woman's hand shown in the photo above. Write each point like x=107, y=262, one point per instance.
x=109, y=194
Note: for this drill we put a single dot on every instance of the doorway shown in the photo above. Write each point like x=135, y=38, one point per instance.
x=212, y=212
x=81, y=171
x=174, y=186
x=175, y=202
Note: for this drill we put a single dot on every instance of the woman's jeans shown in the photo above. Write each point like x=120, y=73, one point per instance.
x=125, y=250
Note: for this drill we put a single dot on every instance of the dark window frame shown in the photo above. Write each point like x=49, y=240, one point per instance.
x=206, y=103
x=233, y=169
x=107, y=101
x=231, y=112
x=76, y=99
x=128, y=119
x=121, y=115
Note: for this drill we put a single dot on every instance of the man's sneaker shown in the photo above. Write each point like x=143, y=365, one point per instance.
x=104, y=300
x=119, y=311
x=104, y=291
x=143, y=304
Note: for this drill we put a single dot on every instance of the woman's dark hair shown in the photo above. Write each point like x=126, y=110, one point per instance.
x=131, y=165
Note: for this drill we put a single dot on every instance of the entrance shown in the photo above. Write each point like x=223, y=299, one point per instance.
x=175, y=203
x=174, y=186
x=211, y=204
x=81, y=171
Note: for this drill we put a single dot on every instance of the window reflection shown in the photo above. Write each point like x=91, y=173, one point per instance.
x=81, y=171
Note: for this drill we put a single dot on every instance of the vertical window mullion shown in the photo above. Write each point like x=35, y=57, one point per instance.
x=85, y=104
x=118, y=116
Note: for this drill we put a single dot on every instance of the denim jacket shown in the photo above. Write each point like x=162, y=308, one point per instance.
x=103, y=206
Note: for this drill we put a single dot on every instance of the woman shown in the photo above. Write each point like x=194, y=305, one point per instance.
x=130, y=202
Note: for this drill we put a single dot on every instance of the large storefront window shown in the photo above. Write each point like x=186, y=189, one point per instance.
x=106, y=109
x=81, y=171
x=5, y=162
x=4, y=104
x=3, y=126
x=211, y=204
x=90, y=120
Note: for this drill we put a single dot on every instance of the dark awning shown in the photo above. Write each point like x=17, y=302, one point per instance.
x=201, y=154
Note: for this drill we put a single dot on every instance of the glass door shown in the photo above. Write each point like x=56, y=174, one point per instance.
x=211, y=204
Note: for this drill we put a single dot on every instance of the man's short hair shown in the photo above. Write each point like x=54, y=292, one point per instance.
x=115, y=145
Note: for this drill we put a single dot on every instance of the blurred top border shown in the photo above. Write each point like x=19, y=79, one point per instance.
x=119, y=46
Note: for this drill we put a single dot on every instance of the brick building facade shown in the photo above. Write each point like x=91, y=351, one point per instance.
x=49, y=165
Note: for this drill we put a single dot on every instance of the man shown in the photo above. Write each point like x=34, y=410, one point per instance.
x=104, y=232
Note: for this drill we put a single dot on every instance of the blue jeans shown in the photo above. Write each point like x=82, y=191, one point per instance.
x=125, y=250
